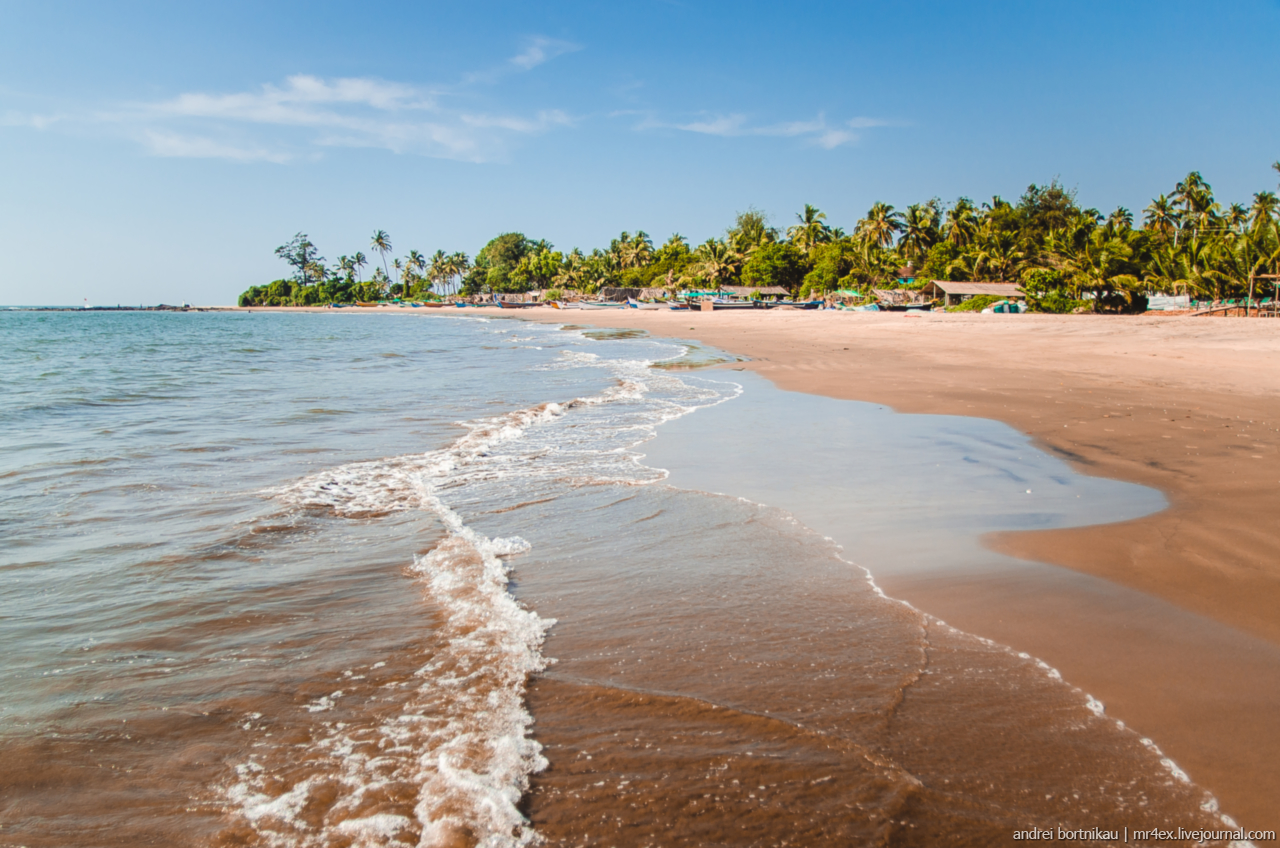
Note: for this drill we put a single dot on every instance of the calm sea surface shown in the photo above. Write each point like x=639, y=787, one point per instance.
x=349, y=580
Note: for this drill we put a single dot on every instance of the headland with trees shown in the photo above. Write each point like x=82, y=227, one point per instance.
x=1065, y=257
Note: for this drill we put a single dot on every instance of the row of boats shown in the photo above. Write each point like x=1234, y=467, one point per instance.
x=629, y=303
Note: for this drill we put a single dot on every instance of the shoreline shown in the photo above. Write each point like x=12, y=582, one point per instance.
x=1167, y=619
x=1198, y=668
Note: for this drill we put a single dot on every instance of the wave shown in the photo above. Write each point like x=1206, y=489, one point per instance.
x=461, y=740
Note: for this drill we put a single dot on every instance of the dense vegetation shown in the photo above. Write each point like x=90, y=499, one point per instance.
x=1063, y=255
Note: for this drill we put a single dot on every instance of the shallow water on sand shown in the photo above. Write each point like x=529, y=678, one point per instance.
x=263, y=588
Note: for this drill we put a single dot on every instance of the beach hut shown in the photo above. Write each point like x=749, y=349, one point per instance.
x=907, y=274
x=747, y=292
x=900, y=298
x=952, y=293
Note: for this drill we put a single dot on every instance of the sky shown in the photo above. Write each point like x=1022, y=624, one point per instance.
x=160, y=152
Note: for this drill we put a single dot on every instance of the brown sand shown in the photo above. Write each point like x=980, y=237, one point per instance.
x=1190, y=406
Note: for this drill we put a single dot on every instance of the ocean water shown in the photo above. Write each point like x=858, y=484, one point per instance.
x=349, y=580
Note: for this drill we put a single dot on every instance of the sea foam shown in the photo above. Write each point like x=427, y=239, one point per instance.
x=463, y=735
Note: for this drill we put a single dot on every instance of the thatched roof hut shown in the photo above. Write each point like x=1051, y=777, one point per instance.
x=898, y=297
x=617, y=294
x=953, y=293
x=763, y=291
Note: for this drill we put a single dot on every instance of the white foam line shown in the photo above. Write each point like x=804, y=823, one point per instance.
x=466, y=729
x=1092, y=704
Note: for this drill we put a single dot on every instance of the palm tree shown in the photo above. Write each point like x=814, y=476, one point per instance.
x=750, y=230
x=716, y=261
x=1161, y=217
x=962, y=222
x=881, y=225
x=347, y=266
x=811, y=231
x=919, y=230
x=458, y=265
x=437, y=269
x=1263, y=211
x=1195, y=197
x=636, y=252
x=381, y=242
x=1236, y=218
x=998, y=257
x=1121, y=219
x=572, y=270
x=359, y=261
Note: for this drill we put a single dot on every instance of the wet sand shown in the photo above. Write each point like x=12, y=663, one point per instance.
x=1169, y=619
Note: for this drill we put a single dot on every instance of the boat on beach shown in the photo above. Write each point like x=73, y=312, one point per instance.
x=793, y=304
x=635, y=304
x=506, y=304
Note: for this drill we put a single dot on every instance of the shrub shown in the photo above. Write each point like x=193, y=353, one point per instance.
x=1057, y=302
x=977, y=303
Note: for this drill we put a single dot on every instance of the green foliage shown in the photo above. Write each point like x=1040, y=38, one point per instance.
x=536, y=270
x=1047, y=291
x=1043, y=209
x=775, y=264
x=832, y=262
x=1066, y=256
x=495, y=263
x=1056, y=302
x=940, y=263
x=750, y=230
x=977, y=303
x=302, y=255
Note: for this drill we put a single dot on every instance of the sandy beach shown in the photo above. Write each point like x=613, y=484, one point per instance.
x=1168, y=619
x=1187, y=406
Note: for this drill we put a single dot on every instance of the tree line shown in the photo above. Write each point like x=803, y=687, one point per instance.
x=1066, y=257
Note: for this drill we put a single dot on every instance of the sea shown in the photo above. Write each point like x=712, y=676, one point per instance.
x=352, y=579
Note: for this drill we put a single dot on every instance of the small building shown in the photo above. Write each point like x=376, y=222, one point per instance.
x=763, y=291
x=618, y=294
x=907, y=274
x=899, y=297
x=953, y=293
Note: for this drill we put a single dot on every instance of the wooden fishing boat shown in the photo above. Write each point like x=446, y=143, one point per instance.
x=587, y=304
x=717, y=305
x=364, y=303
x=504, y=304
x=635, y=304
x=794, y=304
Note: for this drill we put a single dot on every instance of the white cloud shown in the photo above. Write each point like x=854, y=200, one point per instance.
x=719, y=125
x=356, y=112
x=295, y=119
x=195, y=147
x=36, y=122
x=299, y=101
x=816, y=131
x=831, y=139
x=541, y=50
x=868, y=123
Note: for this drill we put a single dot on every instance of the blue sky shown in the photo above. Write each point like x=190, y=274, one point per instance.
x=159, y=152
